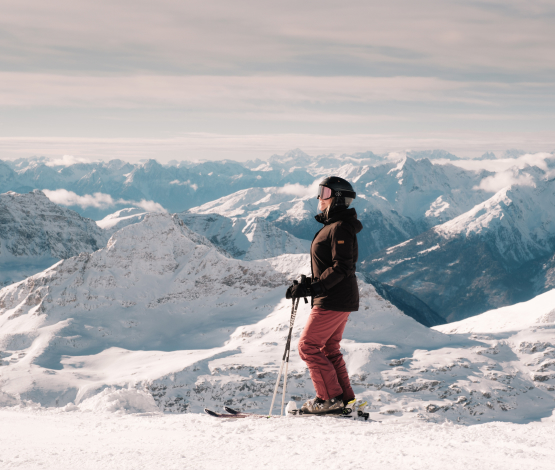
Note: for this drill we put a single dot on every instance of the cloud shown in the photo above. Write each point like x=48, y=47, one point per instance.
x=97, y=200
x=185, y=183
x=68, y=160
x=316, y=67
x=224, y=37
x=69, y=198
x=495, y=183
x=300, y=190
x=396, y=156
x=241, y=147
x=225, y=93
x=539, y=159
x=149, y=206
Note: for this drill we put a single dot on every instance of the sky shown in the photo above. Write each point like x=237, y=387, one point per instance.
x=217, y=79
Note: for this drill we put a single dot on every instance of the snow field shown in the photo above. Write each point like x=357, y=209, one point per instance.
x=54, y=439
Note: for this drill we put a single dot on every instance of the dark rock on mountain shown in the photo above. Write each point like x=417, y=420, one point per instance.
x=408, y=303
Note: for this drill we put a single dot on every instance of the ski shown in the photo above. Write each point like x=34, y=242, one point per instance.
x=354, y=412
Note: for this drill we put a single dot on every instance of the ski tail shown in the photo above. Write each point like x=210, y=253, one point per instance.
x=211, y=413
x=223, y=415
x=234, y=412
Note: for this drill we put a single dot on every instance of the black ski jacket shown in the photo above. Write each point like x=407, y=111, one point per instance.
x=334, y=254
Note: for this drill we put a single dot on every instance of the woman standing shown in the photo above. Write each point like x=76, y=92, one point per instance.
x=334, y=292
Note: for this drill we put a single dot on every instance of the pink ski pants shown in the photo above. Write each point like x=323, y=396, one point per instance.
x=319, y=348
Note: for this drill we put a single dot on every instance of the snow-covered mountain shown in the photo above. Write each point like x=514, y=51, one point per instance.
x=245, y=238
x=395, y=200
x=161, y=309
x=35, y=233
x=485, y=258
x=287, y=208
x=428, y=194
x=268, y=204
x=292, y=210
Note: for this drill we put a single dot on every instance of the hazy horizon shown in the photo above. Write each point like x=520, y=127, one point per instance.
x=179, y=80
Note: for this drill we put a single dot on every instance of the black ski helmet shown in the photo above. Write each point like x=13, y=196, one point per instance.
x=341, y=190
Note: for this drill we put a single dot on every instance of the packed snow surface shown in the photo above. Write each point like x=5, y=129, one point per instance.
x=65, y=440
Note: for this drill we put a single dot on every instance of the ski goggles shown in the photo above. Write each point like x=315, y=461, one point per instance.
x=324, y=192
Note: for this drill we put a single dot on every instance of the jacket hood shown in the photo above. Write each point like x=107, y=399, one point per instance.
x=346, y=215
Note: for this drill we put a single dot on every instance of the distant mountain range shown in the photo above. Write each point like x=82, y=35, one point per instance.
x=441, y=232
x=176, y=188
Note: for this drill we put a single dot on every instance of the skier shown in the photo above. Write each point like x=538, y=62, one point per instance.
x=334, y=291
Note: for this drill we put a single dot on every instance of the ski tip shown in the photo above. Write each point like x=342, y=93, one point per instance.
x=231, y=410
x=210, y=412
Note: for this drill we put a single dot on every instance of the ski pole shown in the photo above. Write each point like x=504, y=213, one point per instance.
x=285, y=359
x=293, y=314
x=286, y=356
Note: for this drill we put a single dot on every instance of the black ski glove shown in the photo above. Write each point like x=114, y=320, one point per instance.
x=296, y=291
x=317, y=289
x=305, y=289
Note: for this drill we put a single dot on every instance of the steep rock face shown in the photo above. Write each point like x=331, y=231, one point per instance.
x=407, y=303
x=249, y=239
x=35, y=233
x=484, y=259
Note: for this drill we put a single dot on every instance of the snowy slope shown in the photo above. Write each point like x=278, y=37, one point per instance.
x=153, y=288
x=522, y=334
x=511, y=219
x=162, y=310
x=245, y=238
x=35, y=233
x=537, y=313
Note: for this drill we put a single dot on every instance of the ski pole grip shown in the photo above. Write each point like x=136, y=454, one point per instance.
x=303, y=281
